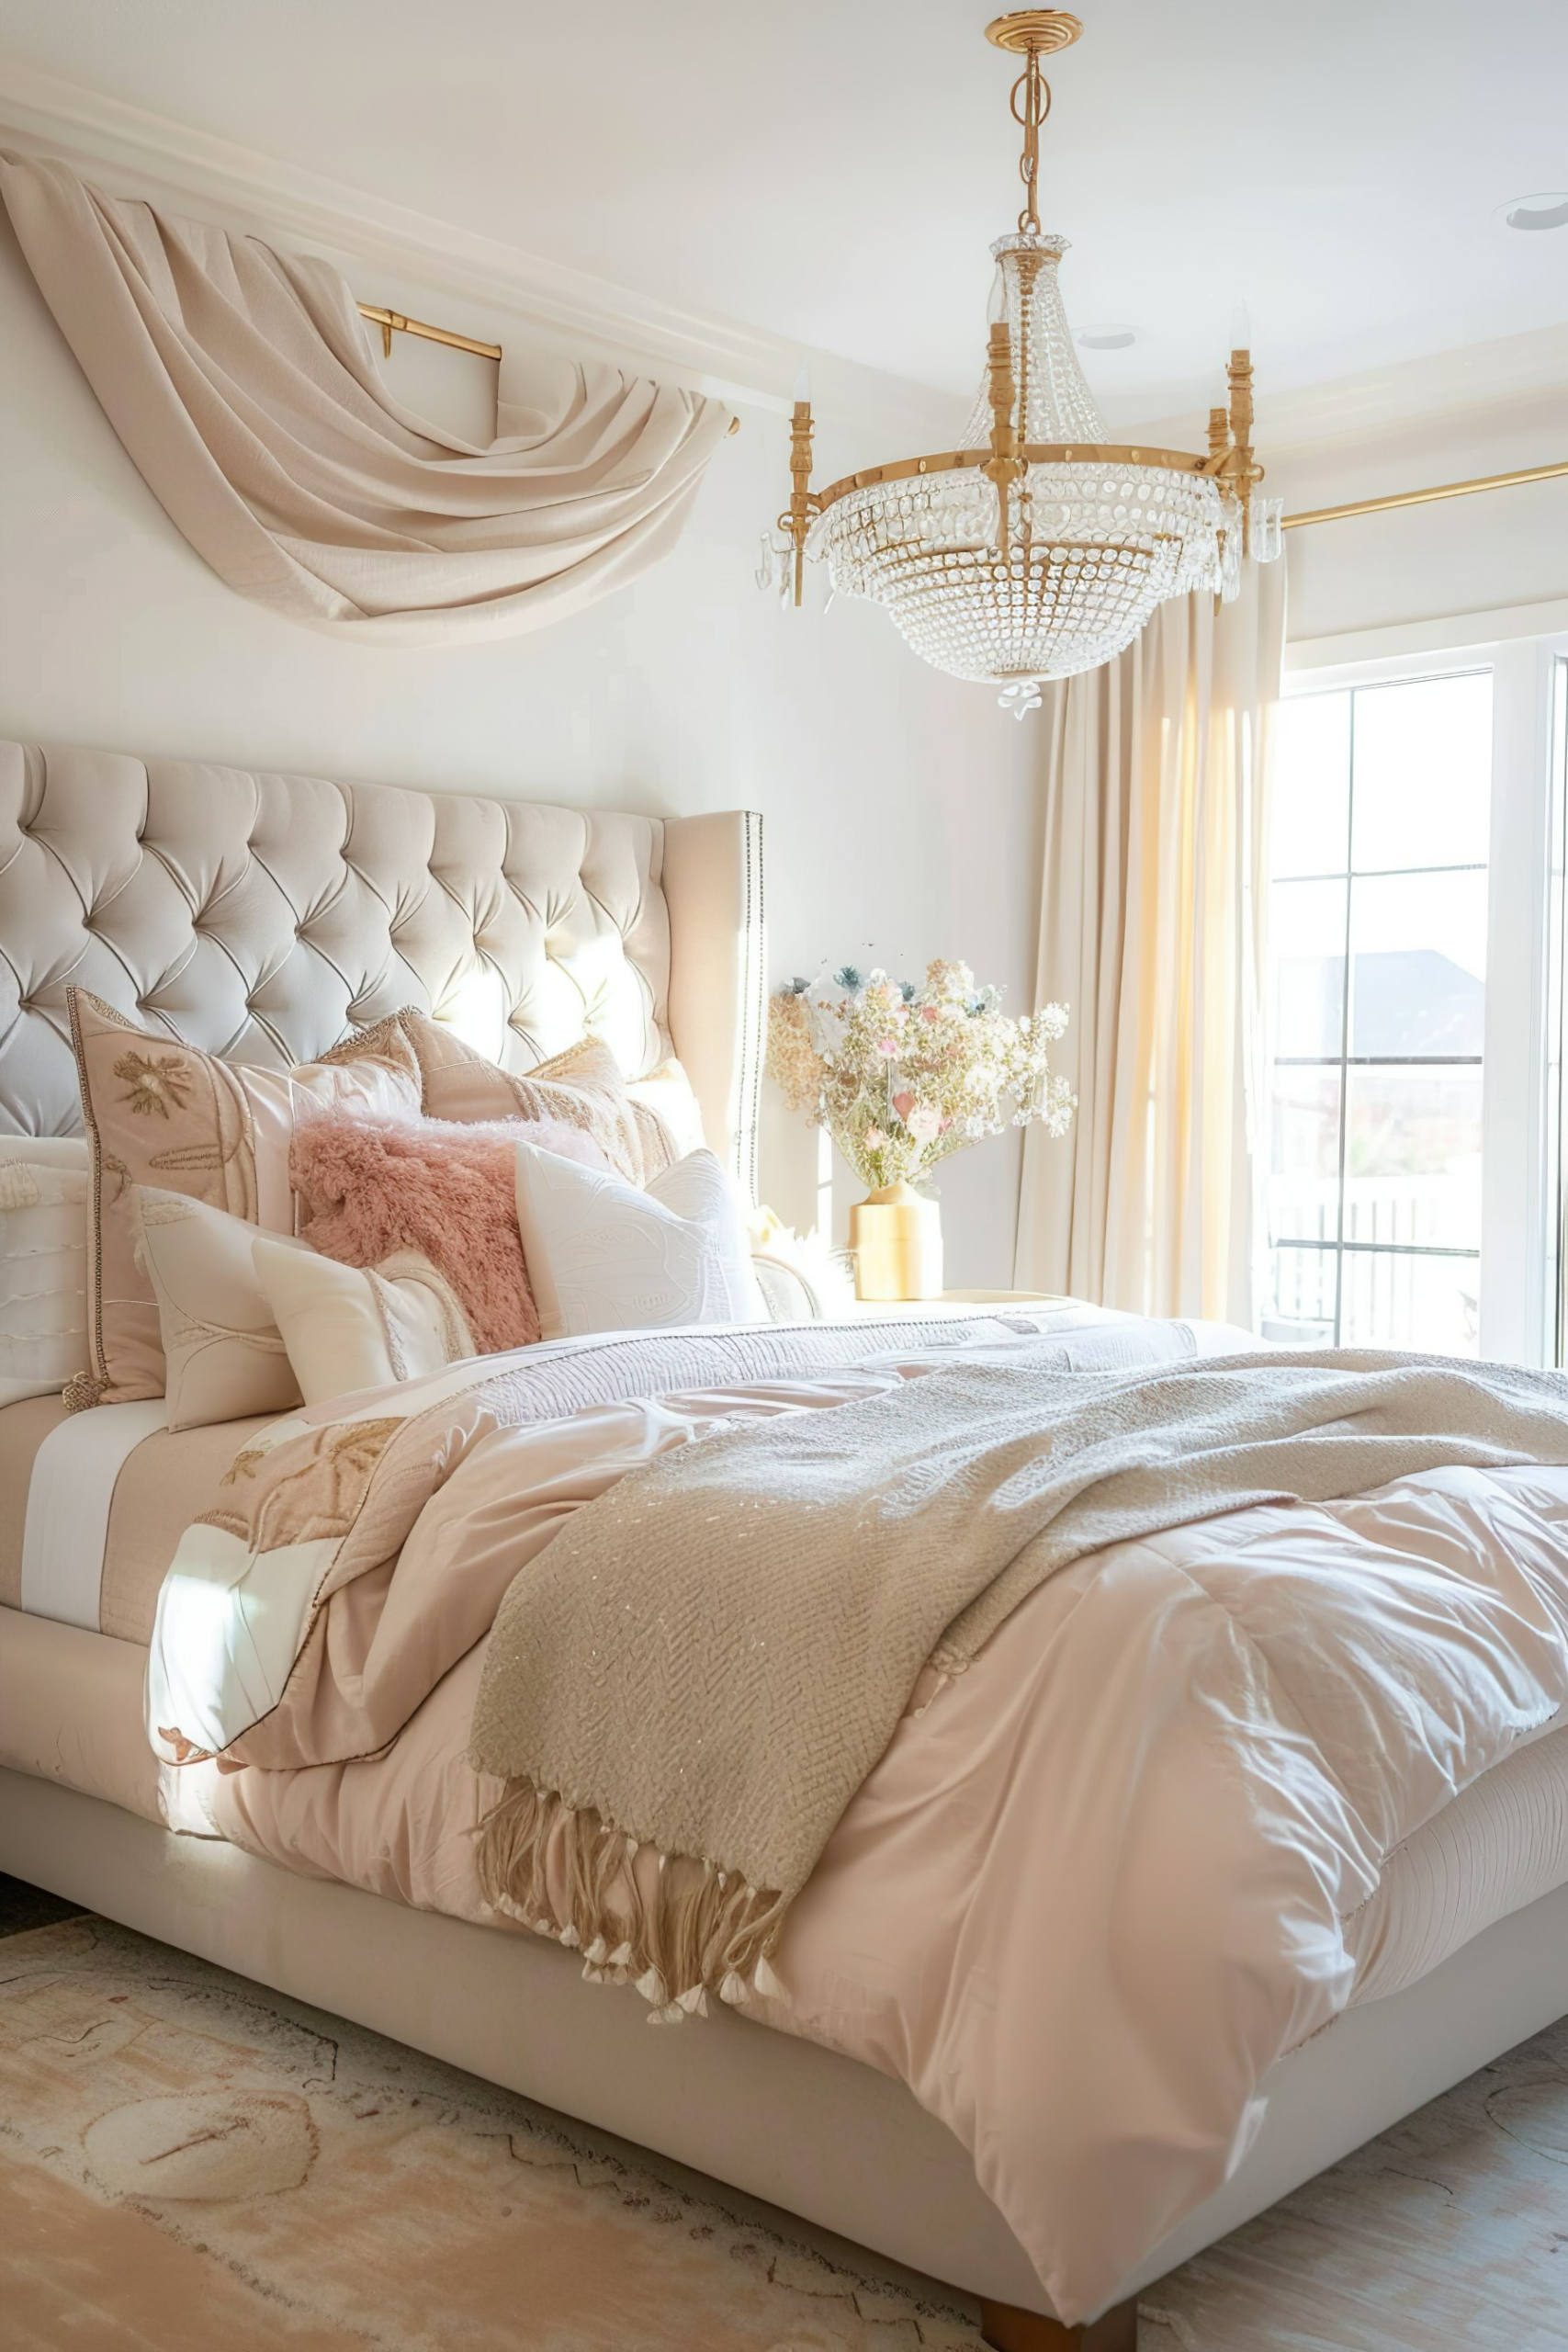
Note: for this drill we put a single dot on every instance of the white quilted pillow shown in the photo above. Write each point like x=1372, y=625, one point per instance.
x=603, y=1256
x=43, y=1264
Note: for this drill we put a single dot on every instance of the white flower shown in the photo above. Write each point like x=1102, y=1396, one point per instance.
x=823, y=1017
x=924, y=1122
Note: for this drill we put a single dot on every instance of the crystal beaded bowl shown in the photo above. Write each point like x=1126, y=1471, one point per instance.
x=1093, y=546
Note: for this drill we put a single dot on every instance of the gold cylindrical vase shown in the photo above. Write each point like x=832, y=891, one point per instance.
x=895, y=1241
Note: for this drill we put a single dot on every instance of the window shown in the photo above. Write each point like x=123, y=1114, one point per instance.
x=1414, y=926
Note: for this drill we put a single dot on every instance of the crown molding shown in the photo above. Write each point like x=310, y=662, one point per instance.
x=1455, y=633
x=151, y=155
x=1350, y=410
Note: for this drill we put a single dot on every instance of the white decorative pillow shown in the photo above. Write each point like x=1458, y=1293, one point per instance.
x=603, y=1256
x=346, y=1328
x=223, y=1354
x=43, y=1264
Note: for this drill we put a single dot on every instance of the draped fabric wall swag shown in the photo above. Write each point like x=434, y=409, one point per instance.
x=242, y=382
x=1153, y=916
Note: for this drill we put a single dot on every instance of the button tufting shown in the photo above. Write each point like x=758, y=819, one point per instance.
x=524, y=914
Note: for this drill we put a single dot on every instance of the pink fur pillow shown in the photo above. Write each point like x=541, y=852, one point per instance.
x=369, y=1185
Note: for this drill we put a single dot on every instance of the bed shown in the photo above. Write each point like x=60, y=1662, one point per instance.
x=262, y=916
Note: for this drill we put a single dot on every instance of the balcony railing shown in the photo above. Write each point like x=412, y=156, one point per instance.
x=1404, y=1271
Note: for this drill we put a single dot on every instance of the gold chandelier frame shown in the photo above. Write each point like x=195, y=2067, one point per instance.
x=1032, y=33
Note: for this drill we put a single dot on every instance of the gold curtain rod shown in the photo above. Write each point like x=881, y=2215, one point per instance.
x=1424, y=497
x=393, y=322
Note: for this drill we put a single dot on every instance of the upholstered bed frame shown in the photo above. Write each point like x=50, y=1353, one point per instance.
x=262, y=916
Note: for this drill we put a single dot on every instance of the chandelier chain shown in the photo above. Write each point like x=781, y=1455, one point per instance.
x=1036, y=92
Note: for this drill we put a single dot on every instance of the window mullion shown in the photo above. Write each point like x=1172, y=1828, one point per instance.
x=1345, y=1014
x=1514, y=1323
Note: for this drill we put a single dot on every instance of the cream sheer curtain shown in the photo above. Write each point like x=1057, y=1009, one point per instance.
x=1151, y=931
x=243, y=383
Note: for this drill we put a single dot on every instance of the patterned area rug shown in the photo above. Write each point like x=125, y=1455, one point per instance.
x=191, y=2164
x=188, y=2161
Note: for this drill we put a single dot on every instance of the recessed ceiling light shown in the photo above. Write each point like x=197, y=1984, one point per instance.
x=1114, y=338
x=1545, y=211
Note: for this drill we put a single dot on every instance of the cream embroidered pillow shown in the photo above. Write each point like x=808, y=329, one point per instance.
x=223, y=1354
x=346, y=1328
x=44, y=1264
x=580, y=1087
x=603, y=1256
x=161, y=1112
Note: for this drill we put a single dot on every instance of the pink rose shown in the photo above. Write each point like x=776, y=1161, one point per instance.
x=904, y=1103
x=888, y=1046
x=874, y=1138
x=930, y=1013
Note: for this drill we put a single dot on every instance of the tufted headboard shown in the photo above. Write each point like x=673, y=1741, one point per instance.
x=262, y=917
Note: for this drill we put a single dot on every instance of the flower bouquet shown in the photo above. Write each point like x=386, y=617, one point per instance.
x=899, y=1077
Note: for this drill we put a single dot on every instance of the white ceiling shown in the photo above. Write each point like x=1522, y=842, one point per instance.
x=832, y=171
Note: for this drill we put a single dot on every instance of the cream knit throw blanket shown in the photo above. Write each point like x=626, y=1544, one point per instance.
x=709, y=1658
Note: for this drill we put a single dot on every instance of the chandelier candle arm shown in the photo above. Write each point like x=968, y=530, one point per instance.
x=1245, y=473
x=1004, y=465
x=1039, y=548
x=1004, y=438
x=796, y=522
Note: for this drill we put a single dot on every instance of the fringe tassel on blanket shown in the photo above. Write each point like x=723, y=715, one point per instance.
x=698, y=1930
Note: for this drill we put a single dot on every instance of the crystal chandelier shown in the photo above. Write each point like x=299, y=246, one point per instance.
x=1040, y=547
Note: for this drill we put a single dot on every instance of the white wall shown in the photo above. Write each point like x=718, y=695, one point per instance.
x=900, y=805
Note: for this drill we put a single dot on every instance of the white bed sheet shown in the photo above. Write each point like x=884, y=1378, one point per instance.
x=68, y=1495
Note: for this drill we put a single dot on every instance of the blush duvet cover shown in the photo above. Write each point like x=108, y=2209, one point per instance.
x=1097, y=1883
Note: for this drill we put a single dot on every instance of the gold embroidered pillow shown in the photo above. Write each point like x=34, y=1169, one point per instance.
x=581, y=1087
x=158, y=1112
